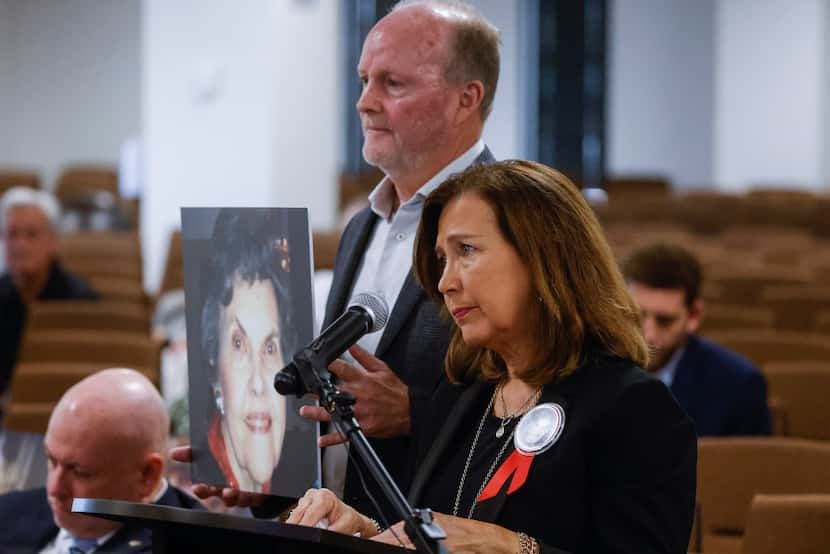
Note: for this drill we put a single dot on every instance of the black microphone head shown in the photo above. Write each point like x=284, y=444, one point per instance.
x=375, y=306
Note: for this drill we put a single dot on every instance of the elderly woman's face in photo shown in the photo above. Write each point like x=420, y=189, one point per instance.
x=486, y=285
x=249, y=356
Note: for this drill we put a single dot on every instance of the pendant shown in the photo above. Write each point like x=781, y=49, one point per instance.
x=500, y=432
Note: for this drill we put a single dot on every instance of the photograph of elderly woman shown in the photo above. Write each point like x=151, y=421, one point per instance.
x=249, y=309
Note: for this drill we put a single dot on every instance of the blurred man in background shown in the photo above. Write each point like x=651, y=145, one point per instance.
x=720, y=390
x=107, y=438
x=28, y=223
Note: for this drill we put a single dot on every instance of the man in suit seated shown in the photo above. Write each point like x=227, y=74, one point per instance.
x=106, y=438
x=28, y=225
x=723, y=392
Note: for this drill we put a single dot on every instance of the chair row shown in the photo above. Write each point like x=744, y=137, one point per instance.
x=732, y=518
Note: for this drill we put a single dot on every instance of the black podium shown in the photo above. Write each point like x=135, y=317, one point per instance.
x=178, y=530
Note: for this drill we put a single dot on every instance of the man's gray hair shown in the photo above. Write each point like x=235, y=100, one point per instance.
x=17, y=197
x=474, y=53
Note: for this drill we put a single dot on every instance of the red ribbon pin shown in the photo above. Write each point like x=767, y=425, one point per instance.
x=517, y=465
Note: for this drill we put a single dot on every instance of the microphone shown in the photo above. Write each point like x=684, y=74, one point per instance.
x=367, y=313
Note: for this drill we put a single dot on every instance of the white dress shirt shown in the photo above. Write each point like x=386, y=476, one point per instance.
x=385, y=267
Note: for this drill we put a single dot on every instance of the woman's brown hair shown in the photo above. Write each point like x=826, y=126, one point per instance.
x=585, y=303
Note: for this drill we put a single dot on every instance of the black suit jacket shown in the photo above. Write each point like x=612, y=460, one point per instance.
x=621, y=477
x=27, y=524
x=413, y=345
x=721, y=391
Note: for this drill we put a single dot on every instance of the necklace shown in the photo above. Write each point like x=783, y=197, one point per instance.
x=508, y=417
x=495, y=463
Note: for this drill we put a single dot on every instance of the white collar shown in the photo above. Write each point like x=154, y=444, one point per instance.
x=382, y=198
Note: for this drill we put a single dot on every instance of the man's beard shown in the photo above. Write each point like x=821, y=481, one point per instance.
x=659, y=357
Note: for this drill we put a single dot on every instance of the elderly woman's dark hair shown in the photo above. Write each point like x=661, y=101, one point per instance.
x=245, y=245
x=584, y=305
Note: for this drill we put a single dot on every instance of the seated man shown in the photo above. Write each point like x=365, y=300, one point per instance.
x=28, y=218
x=106, y=438
x=720, y=390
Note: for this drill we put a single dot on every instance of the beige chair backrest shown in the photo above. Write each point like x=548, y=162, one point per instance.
x=802, y=390
x=48, y=381
x=110, y=348
x=791, y=524
x=732, y=470
x=763, y=346
x=102, y=316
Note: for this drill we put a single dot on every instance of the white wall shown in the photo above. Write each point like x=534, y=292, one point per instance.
x=661, y=88
x=503, y=131
x=770, y=100
x=6, y=75
x=75, y=88
x=265, y=128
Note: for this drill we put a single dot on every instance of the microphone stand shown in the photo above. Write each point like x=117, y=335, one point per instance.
x=422, y=530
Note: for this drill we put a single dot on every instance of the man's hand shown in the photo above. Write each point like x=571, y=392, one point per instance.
x=230, y=497
x=382, y=407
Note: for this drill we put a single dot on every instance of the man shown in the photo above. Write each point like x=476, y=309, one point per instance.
x=28, y=220
x=105, y=439
x=429, y=71
x=720, y=390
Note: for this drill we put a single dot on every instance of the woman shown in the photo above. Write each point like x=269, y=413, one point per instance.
x=246, y=334
x=544, y=327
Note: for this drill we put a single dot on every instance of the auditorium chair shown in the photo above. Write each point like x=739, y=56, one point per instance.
x=81, y=180
x=743, y=285
x=764, y=346
x=29, y=417
x=109, y=348
x=802, y=389
x=728, y=317
x=732, y=470
x=41, y=382
x=92, y=315
x=118, y=289
x=10, y=178
x=796, y=307
x=637, y=186
x=788, y=523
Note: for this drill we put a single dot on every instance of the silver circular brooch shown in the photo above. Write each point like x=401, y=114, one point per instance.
x=539, y=429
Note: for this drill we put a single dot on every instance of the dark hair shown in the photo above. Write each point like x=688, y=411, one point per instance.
x=585, y=307
x=473, y=50
x=665, y=266
x=247, y=245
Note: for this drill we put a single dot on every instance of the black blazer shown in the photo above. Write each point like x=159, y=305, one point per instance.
x=413, y=345
x=721, y=391
x=27, y=524
x=621, y=477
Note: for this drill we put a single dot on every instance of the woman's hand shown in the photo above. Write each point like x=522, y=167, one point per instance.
x=317, y=504
x=463, y=536
x=230, y=497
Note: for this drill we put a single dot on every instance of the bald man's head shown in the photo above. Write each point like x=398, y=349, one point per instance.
x=106, y=439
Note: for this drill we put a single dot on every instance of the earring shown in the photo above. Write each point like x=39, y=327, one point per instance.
x=219, y=400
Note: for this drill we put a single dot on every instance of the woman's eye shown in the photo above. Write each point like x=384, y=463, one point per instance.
x=467, y=249
x=271, y=348
x=237, y=342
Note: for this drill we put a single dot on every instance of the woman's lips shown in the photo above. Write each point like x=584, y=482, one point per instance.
x=258, y=422
x=460, y=313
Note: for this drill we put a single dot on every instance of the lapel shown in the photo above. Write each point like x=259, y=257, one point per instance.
x=489, y=510
x=408, y=299
x=685, y=377
x=445, y=439
x=353, y=246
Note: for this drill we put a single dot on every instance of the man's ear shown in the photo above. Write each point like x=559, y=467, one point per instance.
x=469, y=100
x=696, y=313
x=152, y=470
